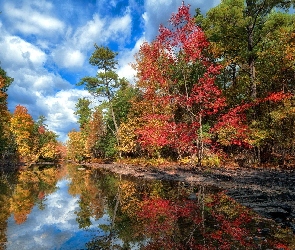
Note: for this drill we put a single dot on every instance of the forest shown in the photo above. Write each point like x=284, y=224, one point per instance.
x=208, y=89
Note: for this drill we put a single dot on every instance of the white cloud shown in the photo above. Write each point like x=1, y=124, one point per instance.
x=16, y=53
x=102, y=30
x=126, y=58
x=99, y=30
x=69, y=58
x=33, y=18
x=119, y=28
x=61, y=108
x=87, y=35
x=33, y=81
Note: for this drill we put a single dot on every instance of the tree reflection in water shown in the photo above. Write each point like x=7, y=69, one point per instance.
x=91, y=203
x=31, y=188
x=162, y=215
x=6, y=190
x=19, y=192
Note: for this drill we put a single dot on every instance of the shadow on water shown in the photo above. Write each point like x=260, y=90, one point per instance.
x=76, y=207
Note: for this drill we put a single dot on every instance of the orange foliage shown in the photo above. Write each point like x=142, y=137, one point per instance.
x=95, y=132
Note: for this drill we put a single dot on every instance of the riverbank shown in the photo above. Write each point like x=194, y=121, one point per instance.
x=268, y=191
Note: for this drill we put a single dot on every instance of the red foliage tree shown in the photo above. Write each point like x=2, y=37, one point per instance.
x=232, y=127
x=175, y=72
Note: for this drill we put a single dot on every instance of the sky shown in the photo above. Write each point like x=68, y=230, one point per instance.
x=54, y=227
x=45, y=46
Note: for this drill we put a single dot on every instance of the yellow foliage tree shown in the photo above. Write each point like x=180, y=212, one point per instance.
x=128, y=137
x=77, y=148
x=22, y=125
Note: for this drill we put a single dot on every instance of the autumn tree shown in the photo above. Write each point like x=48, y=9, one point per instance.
x=92, y=130
x=45, y=144
x=76, y=146
x=129, y=144
x=22, y=125
x=34, y=141
x=175, y=72
x=131, y=129
x=96, y=131
x=254, y=41
x=238, y=32
x=121, y=105
x=6, y=140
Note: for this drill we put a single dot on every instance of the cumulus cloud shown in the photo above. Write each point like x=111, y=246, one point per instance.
x=79, y=44
x=17, y=53
x=69, y=57
x=32, y=17
x=126, y=58
x=102, y=30
x=61, y=107
x=87, y=34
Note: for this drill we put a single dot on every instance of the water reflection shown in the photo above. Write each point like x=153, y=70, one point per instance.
x=163, y=215
x=75, y=208
x=31, y=189
x=47, y=228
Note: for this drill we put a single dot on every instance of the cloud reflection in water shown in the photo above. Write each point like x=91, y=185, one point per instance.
x=55, y=227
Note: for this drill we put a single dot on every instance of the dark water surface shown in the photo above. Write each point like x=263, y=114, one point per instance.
x=77, y=208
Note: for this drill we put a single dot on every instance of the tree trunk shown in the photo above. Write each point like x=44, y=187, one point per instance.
x=251, y=62
x=116, y=128
x=200, y=142
x=114, y=121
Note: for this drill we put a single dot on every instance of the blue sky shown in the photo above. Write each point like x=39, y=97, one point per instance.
x=45, y=46
x=55, y=227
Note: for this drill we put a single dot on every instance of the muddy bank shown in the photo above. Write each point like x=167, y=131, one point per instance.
x=269, y=192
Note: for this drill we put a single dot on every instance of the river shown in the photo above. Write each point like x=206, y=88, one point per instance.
x=74, y=207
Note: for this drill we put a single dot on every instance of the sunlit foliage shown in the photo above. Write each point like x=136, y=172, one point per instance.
x=76, y=147
x=31, y=188
x=22, y=126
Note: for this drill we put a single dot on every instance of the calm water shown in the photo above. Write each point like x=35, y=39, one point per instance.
x=72, y=208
